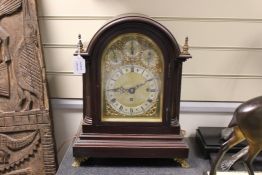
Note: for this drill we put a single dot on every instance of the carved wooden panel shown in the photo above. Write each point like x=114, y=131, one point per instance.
x=26, y=139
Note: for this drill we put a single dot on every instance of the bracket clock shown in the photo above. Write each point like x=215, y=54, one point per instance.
x=131, y=92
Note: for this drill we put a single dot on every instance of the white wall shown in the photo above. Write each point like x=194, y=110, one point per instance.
x=66, y=125
x=225, y=40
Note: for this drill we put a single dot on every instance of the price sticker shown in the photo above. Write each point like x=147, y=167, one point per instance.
x=79, y=65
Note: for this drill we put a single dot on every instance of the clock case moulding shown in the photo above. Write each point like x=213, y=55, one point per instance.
x=132, y=139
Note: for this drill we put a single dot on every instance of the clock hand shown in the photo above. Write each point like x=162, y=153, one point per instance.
x=114, y=58
x=149, y=58
x=133, y=89
x=132, y=47
x=119, y=89
x=142, y=84
x=114, y=90
x=130, y=90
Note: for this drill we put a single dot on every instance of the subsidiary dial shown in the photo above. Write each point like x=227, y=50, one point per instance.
x=149, y=58
x=115, y=56
x=132, y=48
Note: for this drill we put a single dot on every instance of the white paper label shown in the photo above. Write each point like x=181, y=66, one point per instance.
x=79, y=65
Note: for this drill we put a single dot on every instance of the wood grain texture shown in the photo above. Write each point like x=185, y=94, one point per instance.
x=26, y=134
x=132, y=146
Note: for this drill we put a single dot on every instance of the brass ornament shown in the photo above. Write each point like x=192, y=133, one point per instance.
x=183, y=162
x=80, y=44
x=185, y=48
x=78, y=160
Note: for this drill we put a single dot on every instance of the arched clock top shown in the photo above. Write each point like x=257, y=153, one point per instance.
x=137, y=22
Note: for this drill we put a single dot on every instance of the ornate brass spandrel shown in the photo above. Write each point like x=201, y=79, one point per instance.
x=26, y=136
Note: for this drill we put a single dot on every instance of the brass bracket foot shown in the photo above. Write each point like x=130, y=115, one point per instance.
x=78, y=160
x=183, y=162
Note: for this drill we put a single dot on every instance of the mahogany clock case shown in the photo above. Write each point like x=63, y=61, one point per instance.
x=137, y=139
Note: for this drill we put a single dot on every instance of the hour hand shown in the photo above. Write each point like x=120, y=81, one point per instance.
x=119, y=89
x=115, y=89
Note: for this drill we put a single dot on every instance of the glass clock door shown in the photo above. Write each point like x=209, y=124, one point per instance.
x=132, y=80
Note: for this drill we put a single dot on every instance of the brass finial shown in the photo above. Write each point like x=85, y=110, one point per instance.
x=185, y=47
x=80, y=44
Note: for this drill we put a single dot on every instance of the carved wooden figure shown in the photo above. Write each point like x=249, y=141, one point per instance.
x=26, y=139
x=247, y=124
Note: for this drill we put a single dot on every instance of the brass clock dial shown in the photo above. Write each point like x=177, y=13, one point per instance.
x=132, y=79
x=131, y=90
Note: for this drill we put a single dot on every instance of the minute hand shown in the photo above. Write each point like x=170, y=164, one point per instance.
x=133, y=89
x=142, y=84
